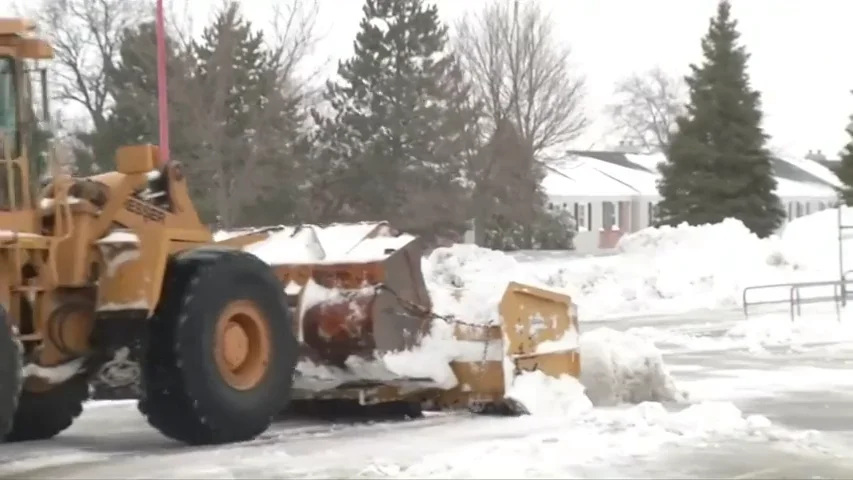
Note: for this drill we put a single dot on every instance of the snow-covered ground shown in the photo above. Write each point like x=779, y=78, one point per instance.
x=748, y=415
x=675, y=382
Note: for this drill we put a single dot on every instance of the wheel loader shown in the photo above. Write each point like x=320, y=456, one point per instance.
x=93, y=268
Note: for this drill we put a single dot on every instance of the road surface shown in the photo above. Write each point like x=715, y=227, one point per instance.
x=802, y=389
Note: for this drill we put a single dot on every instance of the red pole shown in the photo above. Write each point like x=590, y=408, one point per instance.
x=162, y=93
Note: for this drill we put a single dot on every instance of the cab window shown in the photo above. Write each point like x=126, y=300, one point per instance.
x=10, y=140
x=8, y=107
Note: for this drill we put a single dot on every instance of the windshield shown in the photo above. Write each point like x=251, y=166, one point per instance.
x=10, y=140
x=8, y=107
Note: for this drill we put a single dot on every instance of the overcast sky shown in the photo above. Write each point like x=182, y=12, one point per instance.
x=799, y=62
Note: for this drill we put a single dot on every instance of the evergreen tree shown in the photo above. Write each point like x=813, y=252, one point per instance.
x=844, y=171
x=718, y=163
x=132, y=83
x=395, y=146
x=249, y=127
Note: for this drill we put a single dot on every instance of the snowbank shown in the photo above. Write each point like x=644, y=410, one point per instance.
x=668, y=269
x=656, y=270
x=616, y=368
x=619, y=367
x=810, y=243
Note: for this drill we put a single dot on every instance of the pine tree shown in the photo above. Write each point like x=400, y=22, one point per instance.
x=248, y=125
x=401, y=124
x=844, y=171
x=718, y=163
x=132, y=83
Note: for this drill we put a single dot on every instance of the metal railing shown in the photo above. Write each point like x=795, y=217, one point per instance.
x=795, y=299
x=840, y=290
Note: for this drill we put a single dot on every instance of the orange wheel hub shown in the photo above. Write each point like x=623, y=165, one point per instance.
x=243, y=347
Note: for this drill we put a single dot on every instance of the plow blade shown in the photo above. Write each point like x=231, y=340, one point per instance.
x=538, y=332
x=541, y=334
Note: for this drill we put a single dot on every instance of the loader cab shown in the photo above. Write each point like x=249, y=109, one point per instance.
x=16, y=195
x=20, y=125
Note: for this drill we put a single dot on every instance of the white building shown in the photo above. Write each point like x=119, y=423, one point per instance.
x=614, y=193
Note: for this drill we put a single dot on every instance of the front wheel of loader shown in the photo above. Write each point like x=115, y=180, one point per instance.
x=10, y=374
x=220, y=353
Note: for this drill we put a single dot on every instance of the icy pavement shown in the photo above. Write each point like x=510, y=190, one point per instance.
x=803, y=390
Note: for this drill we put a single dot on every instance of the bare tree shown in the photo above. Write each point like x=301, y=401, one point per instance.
x=294, y=38
x=522, y=72
x=241, y=170
x=86, y=35
x=645, y=108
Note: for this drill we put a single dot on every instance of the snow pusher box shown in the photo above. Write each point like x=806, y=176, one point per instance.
x=369, y=336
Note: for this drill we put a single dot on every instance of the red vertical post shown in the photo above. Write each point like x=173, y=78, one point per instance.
x=162, y=92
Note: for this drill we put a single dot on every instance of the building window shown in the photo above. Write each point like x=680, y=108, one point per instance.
x=790, y=211
x=608, y=215
x=653, y=213
x=808, y=208
x=581, y=217
x=821, y=206
x=799, y=210
x=589, y=216
x=624, y=216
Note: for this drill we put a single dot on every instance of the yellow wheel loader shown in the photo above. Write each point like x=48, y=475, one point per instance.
x=91, y=268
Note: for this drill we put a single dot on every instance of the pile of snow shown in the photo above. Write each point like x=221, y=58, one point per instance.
x=467, y=281
x=656, y=270
x=618, y=367
x=668, y=269
x=810, y=243
x=544, y=395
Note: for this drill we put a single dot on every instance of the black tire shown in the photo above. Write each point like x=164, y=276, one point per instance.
x=43, y=415
x=10, y=374
x=183, y=394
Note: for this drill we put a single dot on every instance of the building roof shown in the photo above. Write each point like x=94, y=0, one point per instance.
x=617, y=158
x=830, y=163
x=579, y=179
x=607, y=174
